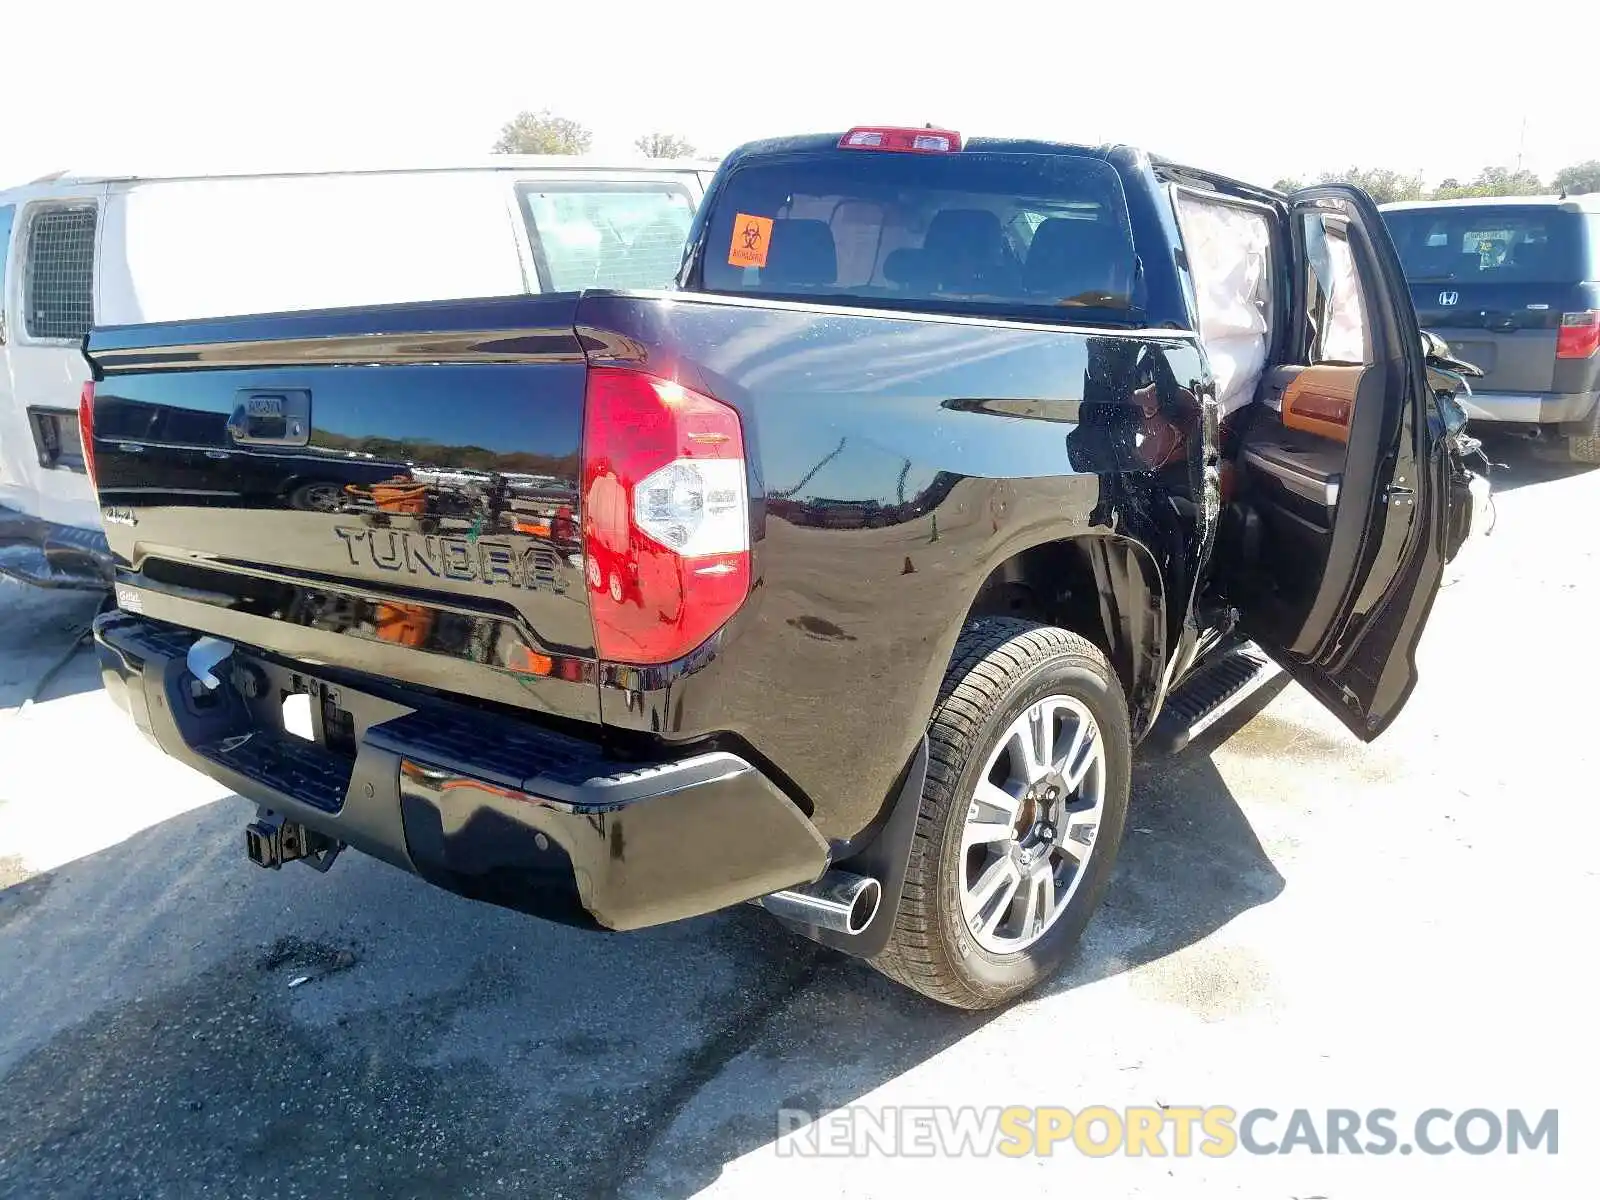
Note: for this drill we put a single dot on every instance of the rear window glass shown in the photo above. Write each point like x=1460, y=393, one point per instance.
x=1043, y=236
x=59, y=291
x=622, y=236
x=1480, y=244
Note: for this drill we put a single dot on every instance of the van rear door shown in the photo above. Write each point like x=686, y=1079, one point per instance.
x=190, y=249
x=50, y=293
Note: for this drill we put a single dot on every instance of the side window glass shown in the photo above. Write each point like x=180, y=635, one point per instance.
x=627, y=236
x=58, y=272
x=1335, y=305
x=8, y=215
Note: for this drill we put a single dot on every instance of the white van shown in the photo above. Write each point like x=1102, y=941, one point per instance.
x=78, y=251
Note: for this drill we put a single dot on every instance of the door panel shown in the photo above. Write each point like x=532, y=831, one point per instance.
x=1321, y=400
x=1293, y=473
x=1346, y=623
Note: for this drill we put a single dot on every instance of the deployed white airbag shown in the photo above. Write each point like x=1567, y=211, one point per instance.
x=1229, y=252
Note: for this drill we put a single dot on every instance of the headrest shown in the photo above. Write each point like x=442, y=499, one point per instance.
x=1070, y=257
x=802, y=252
x=1531, y=254
x=968, y=232
x=908, y=267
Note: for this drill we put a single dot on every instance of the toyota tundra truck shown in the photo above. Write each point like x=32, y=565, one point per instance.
x=842, y=578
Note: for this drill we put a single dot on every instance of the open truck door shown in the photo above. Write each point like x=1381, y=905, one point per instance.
x=1345, y=472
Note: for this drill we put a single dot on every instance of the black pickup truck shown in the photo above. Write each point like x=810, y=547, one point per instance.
x=844, y=578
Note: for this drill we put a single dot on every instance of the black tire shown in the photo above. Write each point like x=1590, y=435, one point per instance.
x=1584, y=449
x=318, y=496
x=1584, y=445
x=1001, y=666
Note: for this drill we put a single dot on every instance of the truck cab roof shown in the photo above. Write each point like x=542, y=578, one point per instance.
x=807, y=143
x=1117, y=153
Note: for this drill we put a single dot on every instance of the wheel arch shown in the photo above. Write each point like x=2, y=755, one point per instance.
x=1106, y=587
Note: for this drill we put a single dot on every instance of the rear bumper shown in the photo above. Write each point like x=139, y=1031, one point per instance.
x=480, y=804
x=1529, y=408
x=46, y=554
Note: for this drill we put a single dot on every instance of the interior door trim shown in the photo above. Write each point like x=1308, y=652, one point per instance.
x=1321, y=399
x=1324, y=489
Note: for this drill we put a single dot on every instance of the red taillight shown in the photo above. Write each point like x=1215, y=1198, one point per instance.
x=905, y=141
x=86, y=427
x=666, y=516
x=1579, y=335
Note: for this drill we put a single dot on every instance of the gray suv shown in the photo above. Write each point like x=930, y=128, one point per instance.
x=1513, y=284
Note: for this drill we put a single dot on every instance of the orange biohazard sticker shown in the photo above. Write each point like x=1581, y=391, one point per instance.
x=752, y=237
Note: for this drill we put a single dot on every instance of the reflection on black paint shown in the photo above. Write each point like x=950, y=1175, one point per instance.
x=824, y=513
x=901, y=461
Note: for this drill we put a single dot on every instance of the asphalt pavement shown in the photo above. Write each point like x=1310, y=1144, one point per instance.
x=1298, y=921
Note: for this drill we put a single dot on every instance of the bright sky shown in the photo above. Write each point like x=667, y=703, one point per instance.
x=1259, y=90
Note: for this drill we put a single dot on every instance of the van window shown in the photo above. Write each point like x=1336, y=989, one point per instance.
x=58, y=276
x=1043, y=236
x=598, y=236
x=8, y=214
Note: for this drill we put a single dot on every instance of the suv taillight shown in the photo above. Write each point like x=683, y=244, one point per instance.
x=1579, y=335
x=666, y=515
x=86, y=428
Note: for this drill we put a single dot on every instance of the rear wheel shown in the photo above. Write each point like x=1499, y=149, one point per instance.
x=1584, y=446
x=1584, y=449
x=1021, y=816
x=317, y=497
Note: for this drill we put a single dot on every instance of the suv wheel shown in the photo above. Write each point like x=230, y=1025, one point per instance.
x=1021, y=817
x=1584, y=447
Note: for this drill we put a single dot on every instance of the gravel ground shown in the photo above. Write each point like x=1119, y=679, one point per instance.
x=1297, y=921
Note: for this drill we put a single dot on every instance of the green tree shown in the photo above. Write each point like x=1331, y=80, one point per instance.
x=542, y=132
x=1492, y=181
x=1382, y=184
x=1288, y=184
x=1579, y=178
x=663, y=145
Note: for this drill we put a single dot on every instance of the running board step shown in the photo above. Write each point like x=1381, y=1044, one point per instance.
x=1210, y=694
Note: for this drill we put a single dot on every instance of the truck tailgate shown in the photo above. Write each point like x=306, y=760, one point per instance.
x=384, y=489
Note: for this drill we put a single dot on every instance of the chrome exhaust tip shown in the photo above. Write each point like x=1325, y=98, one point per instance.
x=839, y=901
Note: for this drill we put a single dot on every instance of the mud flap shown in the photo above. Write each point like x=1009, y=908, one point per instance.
x=885, y=859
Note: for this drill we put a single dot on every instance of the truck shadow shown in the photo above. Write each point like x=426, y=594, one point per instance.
x=40, y=652
x=175, y=1015
x=1519, y=462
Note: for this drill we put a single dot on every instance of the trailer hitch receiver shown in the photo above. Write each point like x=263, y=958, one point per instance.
x=272, y=840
